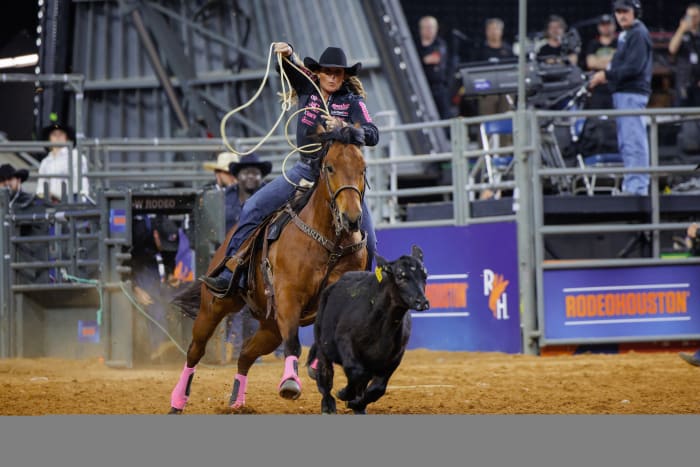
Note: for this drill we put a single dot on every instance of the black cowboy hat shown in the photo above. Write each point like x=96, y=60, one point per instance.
x=68, y=130
x=7, y=172
x=332, y=57
x=251, y=160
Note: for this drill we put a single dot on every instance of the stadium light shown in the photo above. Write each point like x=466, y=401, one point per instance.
x=19, y=61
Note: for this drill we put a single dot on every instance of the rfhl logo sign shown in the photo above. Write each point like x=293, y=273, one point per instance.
x=495, y=288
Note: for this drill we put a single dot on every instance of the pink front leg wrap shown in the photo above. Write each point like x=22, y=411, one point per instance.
x=290, y=370
x=238, y=395
x=179, y=396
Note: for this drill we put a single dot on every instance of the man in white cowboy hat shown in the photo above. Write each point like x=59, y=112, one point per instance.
x=224, y=178
x=56, y=162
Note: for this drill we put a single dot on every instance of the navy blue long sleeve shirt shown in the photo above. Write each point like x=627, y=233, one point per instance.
x=630, y=68
x=343, y=104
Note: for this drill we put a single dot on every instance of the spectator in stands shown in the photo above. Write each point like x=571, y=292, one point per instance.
x=432, y=50
x=554, y=50
x=13, y=179
x=629, y=75
x=494, y=49
x=599, y=53
x=224, y=178
x=685, y=46
x=56, y=163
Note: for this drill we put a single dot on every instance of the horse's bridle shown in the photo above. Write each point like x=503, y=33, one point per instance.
x=337, y=220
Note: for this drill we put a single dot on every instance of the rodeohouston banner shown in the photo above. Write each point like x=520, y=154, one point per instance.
x=472, y=286
x=614, y=303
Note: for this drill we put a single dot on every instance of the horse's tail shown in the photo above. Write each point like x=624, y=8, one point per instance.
x=187, y=301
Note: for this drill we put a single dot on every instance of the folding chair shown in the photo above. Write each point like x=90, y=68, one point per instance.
x=497, y=165
x=609, y=160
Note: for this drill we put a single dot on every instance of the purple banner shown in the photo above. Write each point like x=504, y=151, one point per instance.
x=472, y=286
x=622, y=303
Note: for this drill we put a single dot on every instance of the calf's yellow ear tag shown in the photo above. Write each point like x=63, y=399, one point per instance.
x=378, y=273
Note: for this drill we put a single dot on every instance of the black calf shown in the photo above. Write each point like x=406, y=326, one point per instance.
x=363, y=325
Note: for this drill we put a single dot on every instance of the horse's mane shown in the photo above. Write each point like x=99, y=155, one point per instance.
x=344, y=135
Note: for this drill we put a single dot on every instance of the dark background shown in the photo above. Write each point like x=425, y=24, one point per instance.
x=18, y=35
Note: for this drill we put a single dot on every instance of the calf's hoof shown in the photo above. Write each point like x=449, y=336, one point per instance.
x=342, y=394
x=312, y=372
x=174, y=411
x=290, y=389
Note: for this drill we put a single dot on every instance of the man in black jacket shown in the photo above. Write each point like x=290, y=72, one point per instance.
x=629, y=75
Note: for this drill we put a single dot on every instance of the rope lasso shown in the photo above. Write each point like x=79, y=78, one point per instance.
x=286, y=104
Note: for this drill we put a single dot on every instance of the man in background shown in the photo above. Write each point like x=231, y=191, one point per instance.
x=685, y=47
x=599, y=54
x=629, y=75
x=432, y=51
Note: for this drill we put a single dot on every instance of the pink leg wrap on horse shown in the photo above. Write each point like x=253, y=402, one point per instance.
x=179, y=396
x=238, y=395
x=290, y=370
x=314, y=364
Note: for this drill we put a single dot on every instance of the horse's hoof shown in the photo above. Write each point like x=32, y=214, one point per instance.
x=237, y=405
x=290, y=389
x=360, y=412
x=174, y=411
x=312, y=372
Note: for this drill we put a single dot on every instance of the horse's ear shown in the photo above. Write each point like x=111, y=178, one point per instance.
x=416, y=252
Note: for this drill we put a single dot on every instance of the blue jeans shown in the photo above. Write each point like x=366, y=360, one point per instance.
x=632, y=141
x=273, y=196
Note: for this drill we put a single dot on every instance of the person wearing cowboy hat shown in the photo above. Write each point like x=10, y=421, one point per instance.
x=343, y=93
x=250, y=172
x=12, y=179
x=224, y=178
x=56, y=162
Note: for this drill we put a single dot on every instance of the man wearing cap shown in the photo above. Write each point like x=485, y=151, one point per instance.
x=599, y=54
x=56, y=162
x=629, y=75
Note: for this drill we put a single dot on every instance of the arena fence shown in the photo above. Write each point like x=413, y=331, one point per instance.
x=120, y=170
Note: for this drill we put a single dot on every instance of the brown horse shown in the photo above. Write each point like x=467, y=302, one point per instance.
x=321, y=244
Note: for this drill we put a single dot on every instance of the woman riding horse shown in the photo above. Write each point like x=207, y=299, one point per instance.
x=343, y=94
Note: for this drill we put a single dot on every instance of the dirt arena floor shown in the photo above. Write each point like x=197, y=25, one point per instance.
x=427, y=382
